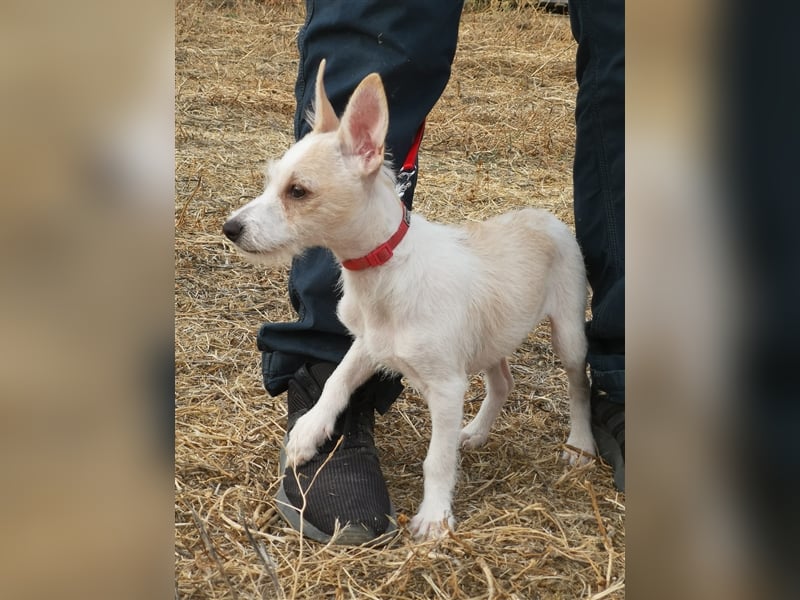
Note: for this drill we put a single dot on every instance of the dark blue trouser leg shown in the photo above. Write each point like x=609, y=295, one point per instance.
x=412, y=45
x=599, y=181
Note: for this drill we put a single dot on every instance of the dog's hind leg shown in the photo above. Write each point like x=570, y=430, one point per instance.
x=499, y=384
x=569, y=343
x=445, y=400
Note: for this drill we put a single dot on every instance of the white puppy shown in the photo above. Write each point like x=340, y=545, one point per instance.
x=433, y=302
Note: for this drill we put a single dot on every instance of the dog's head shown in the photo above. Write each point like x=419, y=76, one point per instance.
x=317, y=188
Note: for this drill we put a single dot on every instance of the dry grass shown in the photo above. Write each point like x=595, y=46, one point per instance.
x=501, y=136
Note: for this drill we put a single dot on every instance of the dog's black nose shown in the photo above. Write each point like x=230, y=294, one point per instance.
x=232, y=229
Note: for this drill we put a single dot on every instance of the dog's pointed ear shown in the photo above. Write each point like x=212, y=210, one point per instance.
x=365, y=123
x=324, y=117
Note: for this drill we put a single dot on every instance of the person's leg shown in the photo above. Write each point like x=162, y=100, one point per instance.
x=599, y=190
x=412, y=45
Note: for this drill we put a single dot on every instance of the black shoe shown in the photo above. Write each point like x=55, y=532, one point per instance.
x=559, y=7
x=343, y=485
x=608, y=427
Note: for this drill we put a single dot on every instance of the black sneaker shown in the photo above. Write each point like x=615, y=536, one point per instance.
x=608, y=427
x=343, y=484
x=559, y=7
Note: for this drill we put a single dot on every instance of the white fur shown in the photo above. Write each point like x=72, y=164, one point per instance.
x=451, y=301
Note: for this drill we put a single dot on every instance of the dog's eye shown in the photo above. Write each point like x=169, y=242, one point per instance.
x=297, y=191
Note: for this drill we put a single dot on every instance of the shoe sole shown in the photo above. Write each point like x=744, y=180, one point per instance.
x=349, y=535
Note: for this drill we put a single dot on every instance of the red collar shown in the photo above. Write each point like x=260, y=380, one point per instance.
x=382, y=253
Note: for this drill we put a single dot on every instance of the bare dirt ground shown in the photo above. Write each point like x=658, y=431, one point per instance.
x=501, y=137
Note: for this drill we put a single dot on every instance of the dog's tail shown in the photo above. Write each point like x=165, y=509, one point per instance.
x=567, y=305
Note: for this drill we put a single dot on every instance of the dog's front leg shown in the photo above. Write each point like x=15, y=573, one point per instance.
x=445, y=401
x=316, y=426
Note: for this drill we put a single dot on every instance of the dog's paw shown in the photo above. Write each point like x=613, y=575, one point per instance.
x=298, y=452
x=431, y=524
x=308, y=434
x=580, y=449
x=472, y=436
